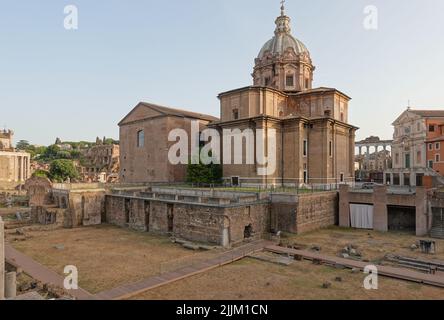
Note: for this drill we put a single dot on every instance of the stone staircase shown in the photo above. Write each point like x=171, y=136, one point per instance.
x=438, y=177
x=437, y=226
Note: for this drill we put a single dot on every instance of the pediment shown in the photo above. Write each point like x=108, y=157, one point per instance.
x=140, y=112
x=406, y=116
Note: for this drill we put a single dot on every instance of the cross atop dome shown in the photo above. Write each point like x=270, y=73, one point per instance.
x=283, y=8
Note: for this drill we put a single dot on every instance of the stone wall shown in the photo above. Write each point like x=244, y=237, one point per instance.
x=381, y=198
x=304, y=213
x=317, y=210
x=39, y=191
x=48, y=215
x=200, y=222
x=257, y=216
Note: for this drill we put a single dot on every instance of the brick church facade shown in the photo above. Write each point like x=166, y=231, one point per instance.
x=315, y=144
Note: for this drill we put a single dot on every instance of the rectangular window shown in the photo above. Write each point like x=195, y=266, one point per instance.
x=305, y=152
x=342, y=177
x=437, y=158
x=437, y=146
x=267, y=81
x=397, y=158
x=431, y=128
x=431, y=164
x=307, y=83
x=305, y=177
x=407, y=161
x=330, y=151
x=290, y=81
x=430, y=146
x=235, y=114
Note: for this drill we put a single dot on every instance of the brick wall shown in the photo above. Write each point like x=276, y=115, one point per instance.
x=315, y=211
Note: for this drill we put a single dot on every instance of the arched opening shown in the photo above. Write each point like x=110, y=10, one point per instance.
x=140, y=139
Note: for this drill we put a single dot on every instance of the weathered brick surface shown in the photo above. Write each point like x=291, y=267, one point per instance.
x=304, y=213
x=195, y=222
x=315, y=211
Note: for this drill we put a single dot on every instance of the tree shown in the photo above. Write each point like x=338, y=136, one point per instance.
x=41, y=173
x=51, y=152
x=63, y=155
x=60, y=170
x=201, y=173
x=23, y=145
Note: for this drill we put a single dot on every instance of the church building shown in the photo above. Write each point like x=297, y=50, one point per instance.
x=314, y=141
x=314, y=144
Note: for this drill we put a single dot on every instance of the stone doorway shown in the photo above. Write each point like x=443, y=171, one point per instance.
x=402, y=219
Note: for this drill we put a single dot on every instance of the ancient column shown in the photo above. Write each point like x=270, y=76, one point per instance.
x=10, y=285
x=22, y=168
x=2, y=260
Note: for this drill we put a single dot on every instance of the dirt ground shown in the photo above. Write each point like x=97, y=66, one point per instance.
x=105, y=256
x=250, y=279
x=371, y=244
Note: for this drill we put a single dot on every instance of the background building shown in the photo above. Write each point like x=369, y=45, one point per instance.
x=416, y=147
x=144, y=143
x=370, y=166
x=101, y=162
x=14, y=166
x=315, y=142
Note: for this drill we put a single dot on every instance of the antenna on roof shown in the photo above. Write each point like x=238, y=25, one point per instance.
x=408, y=105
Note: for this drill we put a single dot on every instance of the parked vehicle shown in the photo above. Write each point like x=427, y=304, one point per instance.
x=369, y=185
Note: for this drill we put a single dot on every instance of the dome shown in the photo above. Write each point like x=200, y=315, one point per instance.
x=280, y=43
x=283, y=40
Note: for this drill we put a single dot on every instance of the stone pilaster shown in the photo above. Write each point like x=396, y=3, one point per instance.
x=2, y=260
x=380, y=214
x=421, y=212
x=344, y=206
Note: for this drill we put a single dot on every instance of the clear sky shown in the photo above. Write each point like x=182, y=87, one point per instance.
x=79, y=84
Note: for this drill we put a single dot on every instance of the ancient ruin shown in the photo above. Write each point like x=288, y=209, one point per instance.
x=14, y=165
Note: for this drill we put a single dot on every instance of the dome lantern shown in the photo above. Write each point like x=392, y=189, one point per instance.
x=284, y=62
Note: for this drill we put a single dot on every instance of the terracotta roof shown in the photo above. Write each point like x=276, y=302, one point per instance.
x=179, y=112
x=429, y=113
